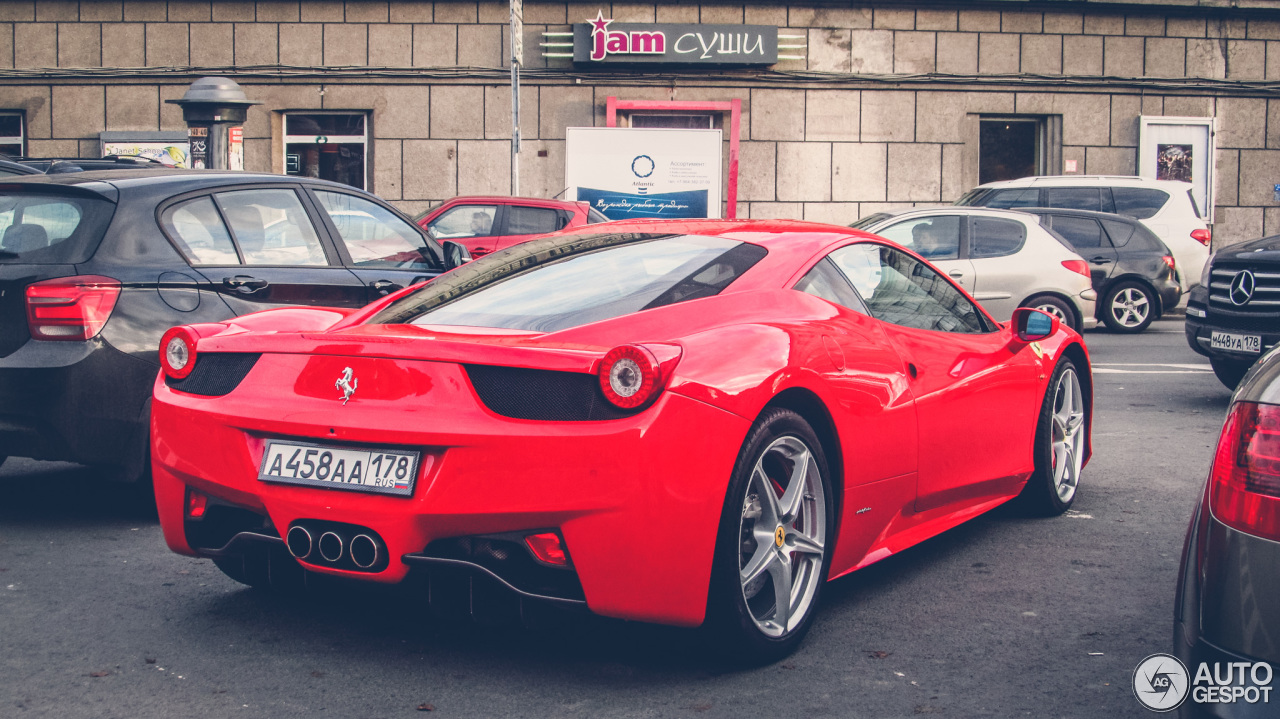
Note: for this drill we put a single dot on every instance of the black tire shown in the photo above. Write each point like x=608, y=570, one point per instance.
x=1129, y=307
x=1229, y=372
x=736, y=631
x=1057, y=307
x=1043, y=495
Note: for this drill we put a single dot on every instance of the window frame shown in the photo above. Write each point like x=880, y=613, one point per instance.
x=363, y=140
x=22, y=130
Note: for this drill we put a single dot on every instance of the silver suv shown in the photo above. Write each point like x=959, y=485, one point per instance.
x=1165, y=207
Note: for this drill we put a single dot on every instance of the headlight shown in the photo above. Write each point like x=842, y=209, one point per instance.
x=1204, y=274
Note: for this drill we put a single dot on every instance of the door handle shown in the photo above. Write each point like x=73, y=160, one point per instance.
x=1100, y=260
x=385, y=287
x=244, y=284
x=956, y=274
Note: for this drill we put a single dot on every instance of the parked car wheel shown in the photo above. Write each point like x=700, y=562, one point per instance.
x=773, y=550
x=1229, y=372
x=1057, y=307
x=1129, y=307
x=1060, y=444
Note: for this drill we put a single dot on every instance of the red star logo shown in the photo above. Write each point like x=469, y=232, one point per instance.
x=599, y=24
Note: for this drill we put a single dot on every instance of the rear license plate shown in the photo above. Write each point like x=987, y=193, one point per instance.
x=384, y=471
x=1238, y=343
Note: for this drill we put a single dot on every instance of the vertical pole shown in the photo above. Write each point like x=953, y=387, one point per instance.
x=515, y=128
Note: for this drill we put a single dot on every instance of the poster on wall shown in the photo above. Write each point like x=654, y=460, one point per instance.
x=1180, y=149
x=168, y=147
x=630, y=173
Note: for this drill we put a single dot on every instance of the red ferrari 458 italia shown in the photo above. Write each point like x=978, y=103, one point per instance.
x=683, y=422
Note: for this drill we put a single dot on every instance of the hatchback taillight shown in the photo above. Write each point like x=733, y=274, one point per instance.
x=1244, y=485
x=1204, y=237
x=1168, y=260
x=1080, y=267
x=70, y=308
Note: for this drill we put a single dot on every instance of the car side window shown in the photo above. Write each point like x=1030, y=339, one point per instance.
x=826, y=281
x=197, y=228
x=373, y=235
x=995, y=237
x=271, y=227
x=1074, y=198
x=935, y=238
x=532, y=220
x=1138, y=202
x=1120, y=232
x=1006, y=199
x=1083, y=233
x=901, y=290
x=464, y=221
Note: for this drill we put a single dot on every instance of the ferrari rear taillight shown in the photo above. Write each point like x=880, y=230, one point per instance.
x=548, y=548
x=1080, y=267
x=70, y=308
x=1204, y=237
x=630, y=376
x=1244, y=484
x=178, y=352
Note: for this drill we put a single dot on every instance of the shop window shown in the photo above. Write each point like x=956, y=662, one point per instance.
x=328, y=145
x=13, y=142
x=1018, y=146
x=673, y=120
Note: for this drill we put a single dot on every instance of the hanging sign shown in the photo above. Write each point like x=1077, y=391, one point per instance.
x=631, y=173
x=604, y=41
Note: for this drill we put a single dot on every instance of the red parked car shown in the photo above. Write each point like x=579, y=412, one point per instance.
x=487, y=224
x=674, y=421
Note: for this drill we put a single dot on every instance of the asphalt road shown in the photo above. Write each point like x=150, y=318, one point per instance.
x=1004, y=616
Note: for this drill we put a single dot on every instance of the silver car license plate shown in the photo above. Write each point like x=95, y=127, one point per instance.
x=1235, y=342
x=384, y=471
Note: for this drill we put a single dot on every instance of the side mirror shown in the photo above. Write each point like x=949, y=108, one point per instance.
x=455, y=255
x=1032, y=325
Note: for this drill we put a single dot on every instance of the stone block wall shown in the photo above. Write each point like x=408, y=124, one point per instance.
x=870, y=134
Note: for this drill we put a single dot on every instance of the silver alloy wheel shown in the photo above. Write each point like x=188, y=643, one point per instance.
x=1056, y=311
x=1130, y=307
x=1068, y=434
x=782, y=531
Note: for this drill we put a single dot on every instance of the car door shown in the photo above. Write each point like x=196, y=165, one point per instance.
x=937, y=238
x=473, y=225
x=1086, y=237
x=384, y=250
x=524, y=222
x=1003, y=275
x=259, y=247
x=975, y=390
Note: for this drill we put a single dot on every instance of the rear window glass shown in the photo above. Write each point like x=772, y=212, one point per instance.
x=51, y=229
x=1006, y=199
x=531, y=220
x=1075, y=198
x=551, y=285
x=1120, y=232
x=1138, y=202
x=594, y=216
x=995, y=237
x=1082, y=232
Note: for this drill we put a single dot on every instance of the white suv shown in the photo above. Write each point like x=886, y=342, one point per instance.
x=1165, y=207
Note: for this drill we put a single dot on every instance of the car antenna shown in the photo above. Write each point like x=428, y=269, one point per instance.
x=558, y=194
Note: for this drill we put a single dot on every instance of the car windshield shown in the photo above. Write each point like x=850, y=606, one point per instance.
x=554, y=284
x=51, y=229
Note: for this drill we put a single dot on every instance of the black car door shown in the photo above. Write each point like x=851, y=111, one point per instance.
x=1086, y=237
x=385, y=250
x=259, y=247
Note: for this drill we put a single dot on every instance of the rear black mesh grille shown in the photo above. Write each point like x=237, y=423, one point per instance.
x=523, y=393
x=216, y=373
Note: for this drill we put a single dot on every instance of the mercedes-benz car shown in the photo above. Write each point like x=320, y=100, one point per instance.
x=682, y=422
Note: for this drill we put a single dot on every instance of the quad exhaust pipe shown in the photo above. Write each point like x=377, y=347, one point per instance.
x=342, y=547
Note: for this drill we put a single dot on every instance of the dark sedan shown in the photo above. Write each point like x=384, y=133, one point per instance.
x=1133, y=271
x=1233, y=315
x=1227, y=608
x=96, y=266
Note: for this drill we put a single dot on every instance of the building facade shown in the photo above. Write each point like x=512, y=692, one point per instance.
x=870, y=106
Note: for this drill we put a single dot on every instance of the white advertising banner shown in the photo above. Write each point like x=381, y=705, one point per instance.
x=631, y=173
x=170, y=153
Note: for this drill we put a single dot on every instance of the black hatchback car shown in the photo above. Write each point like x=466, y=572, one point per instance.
x=1133, y=271
x=1227, y=606
x=96, y=266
